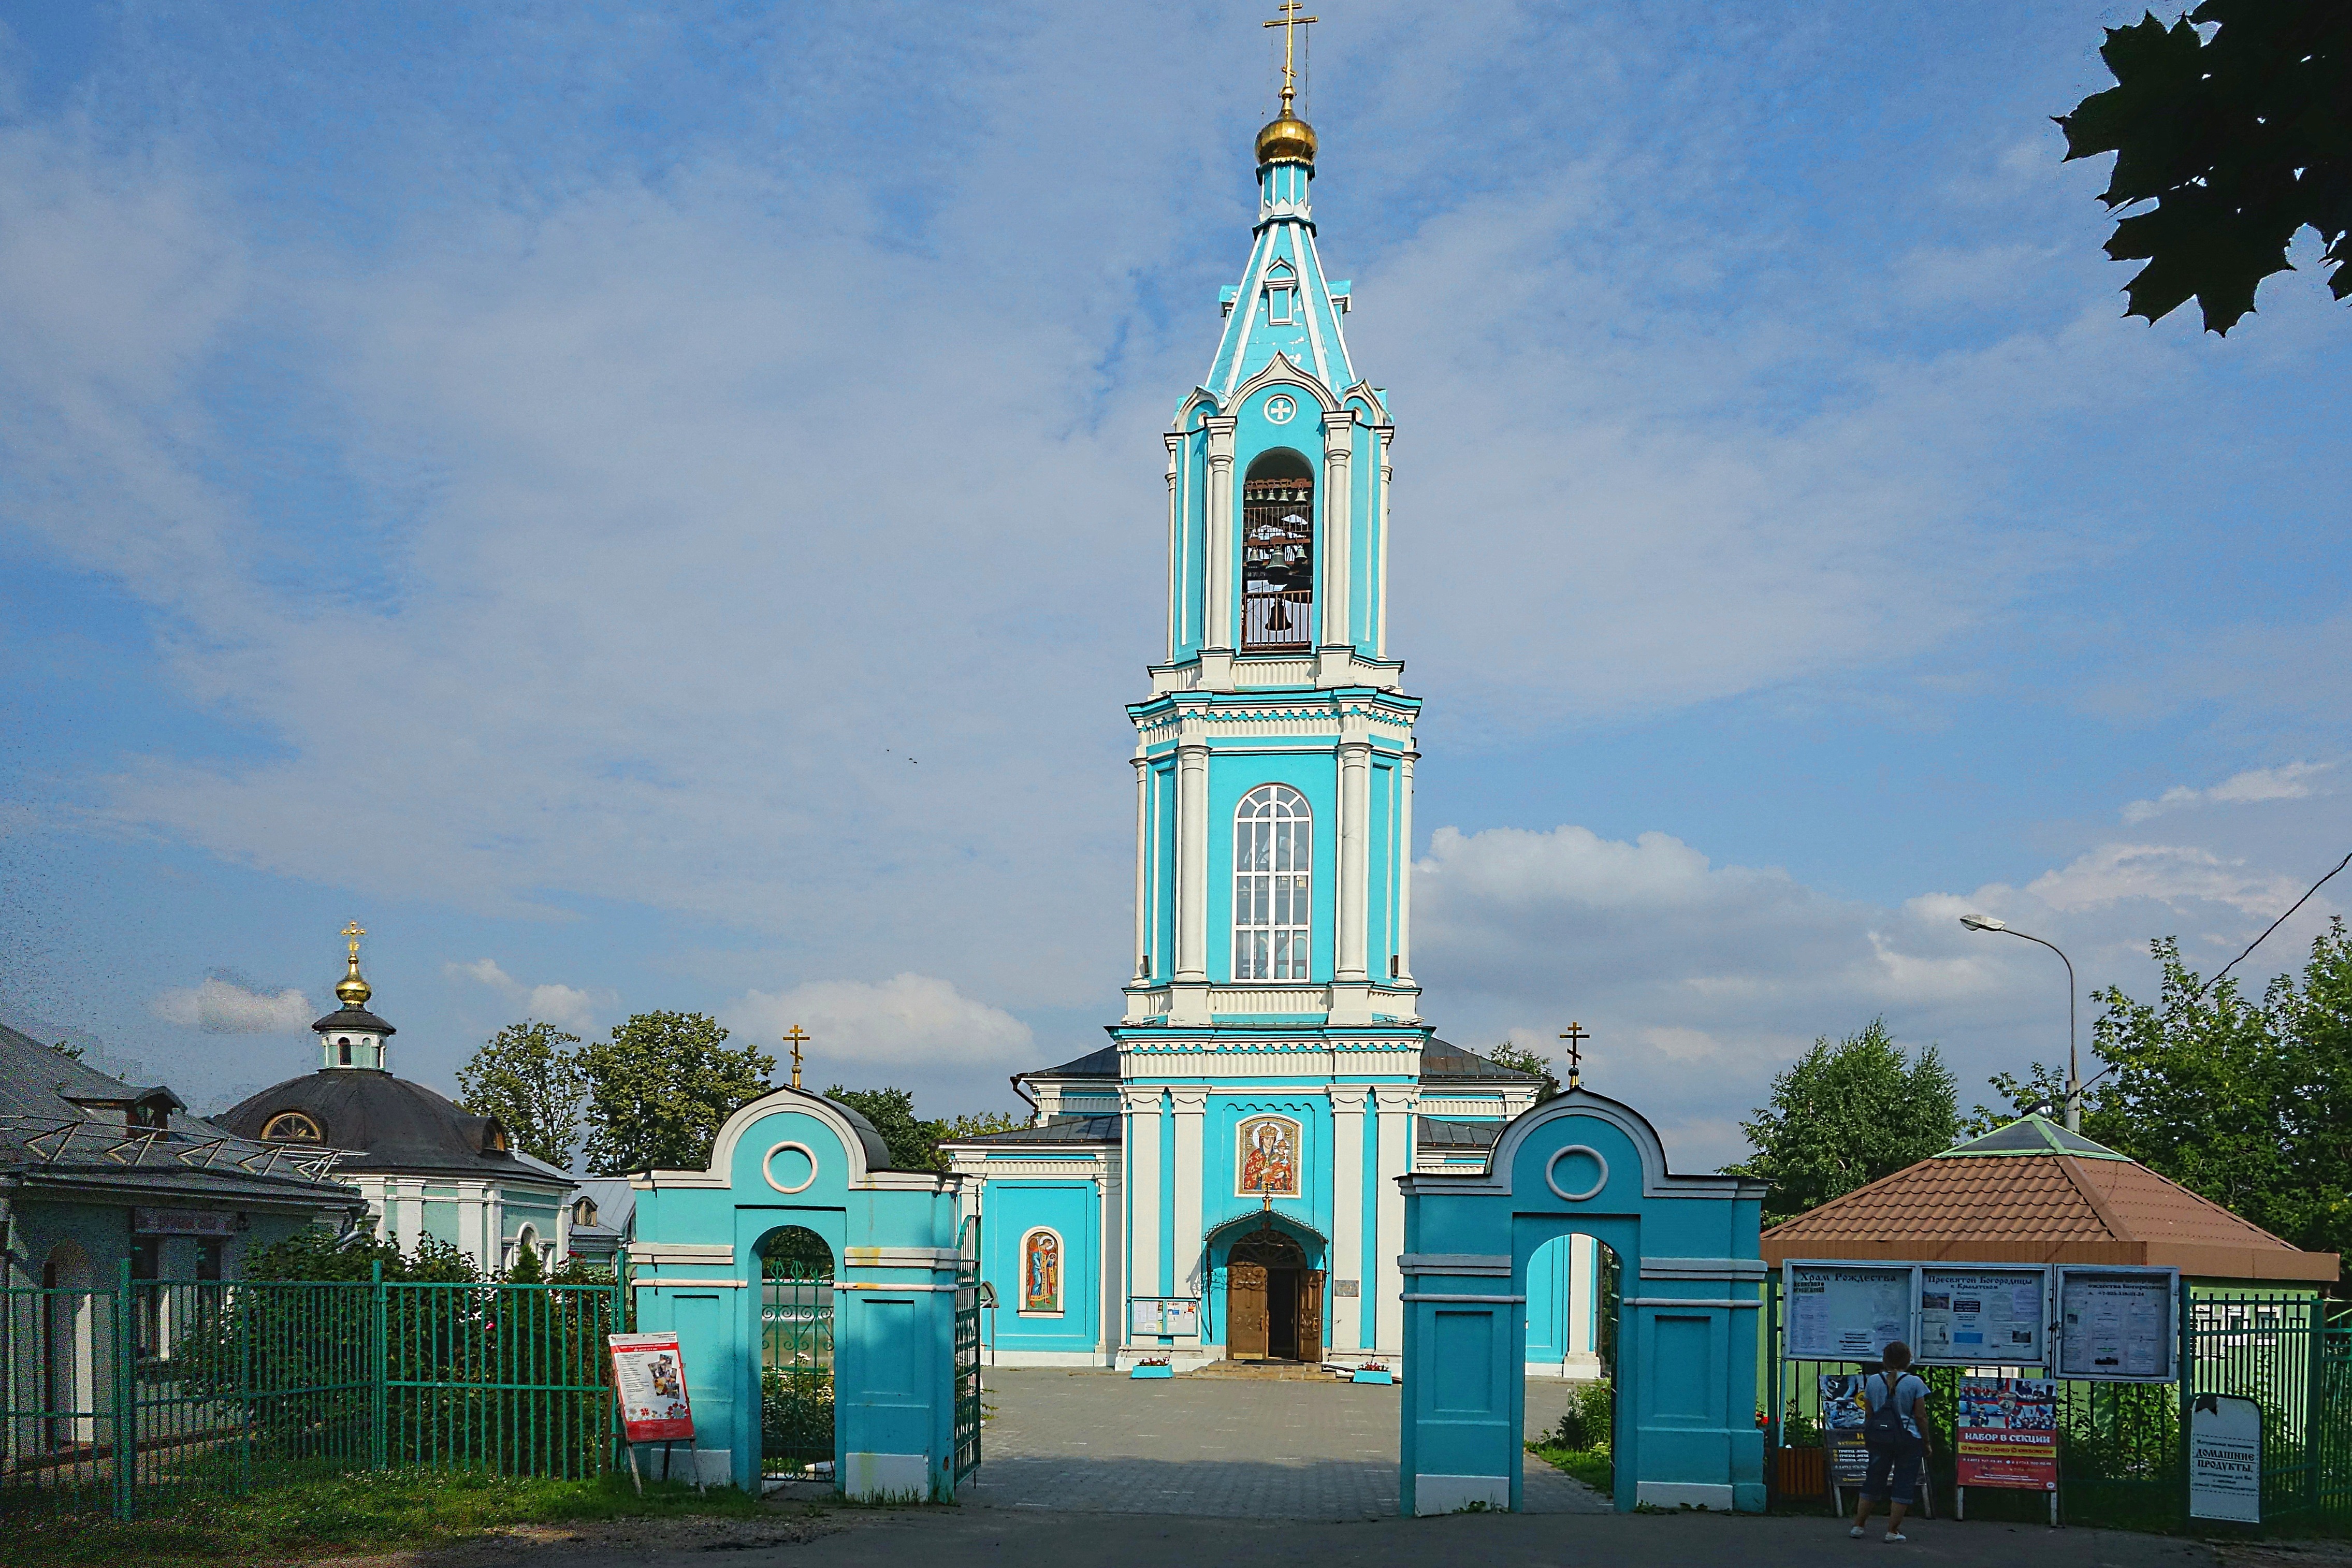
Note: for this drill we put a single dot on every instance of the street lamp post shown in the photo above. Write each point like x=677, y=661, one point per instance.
x=2074, y=1070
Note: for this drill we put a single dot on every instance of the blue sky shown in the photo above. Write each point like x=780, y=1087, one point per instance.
x=531, y=477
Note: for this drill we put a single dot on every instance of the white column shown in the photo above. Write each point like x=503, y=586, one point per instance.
x=1339, y=503
x=1142, y=863
x=1189, y=1103
x=1176, y=585
x=1395, y=1159
x=1380, y=566
x=1142, y=1145
x=1190, y=1003
x=1404, y=865
x=1582, y=1357
x=1347, y=1212
x=1114, y=1262
x=1217, y=631
x=1355, y=812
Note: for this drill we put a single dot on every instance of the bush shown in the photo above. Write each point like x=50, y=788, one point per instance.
x=1590, y=1422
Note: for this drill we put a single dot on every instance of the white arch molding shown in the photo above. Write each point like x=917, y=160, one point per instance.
x=1551, y=1173
x=767, y=1160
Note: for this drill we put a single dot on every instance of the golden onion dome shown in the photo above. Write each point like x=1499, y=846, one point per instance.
x=352, y=989
x=1286, y=139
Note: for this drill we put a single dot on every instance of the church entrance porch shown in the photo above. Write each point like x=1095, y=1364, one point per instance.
x=1274, y=1302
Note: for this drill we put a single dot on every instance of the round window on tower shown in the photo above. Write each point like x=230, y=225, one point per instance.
x=292, y=1127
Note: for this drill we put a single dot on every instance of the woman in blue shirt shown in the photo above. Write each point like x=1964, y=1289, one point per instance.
x=1897, y=1429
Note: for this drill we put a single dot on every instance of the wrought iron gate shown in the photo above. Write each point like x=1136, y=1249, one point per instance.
x=796, y=1403
x=967, y=1352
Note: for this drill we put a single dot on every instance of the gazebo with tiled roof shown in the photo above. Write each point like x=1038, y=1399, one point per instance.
x=2031, y=1191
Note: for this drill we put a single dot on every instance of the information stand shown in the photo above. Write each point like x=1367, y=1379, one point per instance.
x=649, y=1380
x=2006, y=1435
x=2118, y=1324
x=1848, y=1312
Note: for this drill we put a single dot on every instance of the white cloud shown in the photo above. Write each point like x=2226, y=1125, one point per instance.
x=908, y=1020
x=565, y=1006
x=2170, y=874
x=222, y=1006
x=2289, y=781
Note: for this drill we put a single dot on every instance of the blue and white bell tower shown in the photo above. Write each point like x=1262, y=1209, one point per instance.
x=1221, y=1181
x=1276, y=678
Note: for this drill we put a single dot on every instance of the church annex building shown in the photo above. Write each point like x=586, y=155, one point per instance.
x=1221, y=1180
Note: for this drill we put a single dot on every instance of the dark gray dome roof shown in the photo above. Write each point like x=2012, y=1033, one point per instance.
x=388, y=1124
x=352, y=1018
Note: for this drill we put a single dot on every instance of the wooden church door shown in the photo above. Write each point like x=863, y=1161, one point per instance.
x=1246, y=1311
x=1310, y=1316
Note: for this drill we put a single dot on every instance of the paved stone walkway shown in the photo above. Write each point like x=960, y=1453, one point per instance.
x=1097, y=1442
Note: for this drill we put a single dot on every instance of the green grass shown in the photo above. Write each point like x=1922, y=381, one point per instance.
x=1591, y=1466
x=357, y=1512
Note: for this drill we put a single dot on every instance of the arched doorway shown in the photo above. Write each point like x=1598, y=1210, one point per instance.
x=1684, y=1348
x=796, y=1392
x=1271, y=1287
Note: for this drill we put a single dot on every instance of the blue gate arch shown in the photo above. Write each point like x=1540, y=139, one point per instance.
x=795, y=1158
x=1692, y=1270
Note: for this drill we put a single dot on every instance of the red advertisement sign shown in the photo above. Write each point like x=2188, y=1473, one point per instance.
x=2008, y=1431
x=649, y=1377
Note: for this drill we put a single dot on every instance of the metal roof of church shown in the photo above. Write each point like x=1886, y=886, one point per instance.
x=1053, y=1130
x=2031, y=1191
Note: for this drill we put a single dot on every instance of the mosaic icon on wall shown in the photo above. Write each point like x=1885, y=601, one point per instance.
x=1041, y=1272
x=1267, y=1157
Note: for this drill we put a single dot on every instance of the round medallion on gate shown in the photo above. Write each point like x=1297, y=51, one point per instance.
x=1599, y=1178
x=768, y=1167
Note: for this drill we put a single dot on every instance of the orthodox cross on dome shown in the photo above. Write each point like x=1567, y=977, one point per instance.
x=796, y=1038
x=1575, y=1036
x=354, y=931
x=1290, y=21
x=352, y=989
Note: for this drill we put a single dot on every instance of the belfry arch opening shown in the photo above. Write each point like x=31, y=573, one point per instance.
x=1278, y=554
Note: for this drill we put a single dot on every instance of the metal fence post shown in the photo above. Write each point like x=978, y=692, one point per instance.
x=125, y=1368
x=2188, y=1386
x=379, y=1370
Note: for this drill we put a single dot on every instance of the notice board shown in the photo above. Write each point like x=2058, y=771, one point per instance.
x=1847, y=1312
x=2117, y=1324
x=649, y=1376
x=1972, y=1316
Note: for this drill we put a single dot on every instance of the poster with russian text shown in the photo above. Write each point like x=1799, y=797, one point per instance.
x=649, y=1376
x=2006, y=1431
x=2116, y=1327
x=2225, y=1458
x=1975, y=1316
x=1839, y=1313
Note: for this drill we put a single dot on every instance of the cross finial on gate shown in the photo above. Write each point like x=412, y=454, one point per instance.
x=1575, y=1036
x=796, y=1038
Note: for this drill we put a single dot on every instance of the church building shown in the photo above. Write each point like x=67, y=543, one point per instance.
x=425, y=1166
x=1219, y=1179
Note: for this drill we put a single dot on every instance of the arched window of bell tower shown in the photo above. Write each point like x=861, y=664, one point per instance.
x=1278, y=554
x=1273, y=860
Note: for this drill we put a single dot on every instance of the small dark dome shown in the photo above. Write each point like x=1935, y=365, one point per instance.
x=354, y=1019
x=388, y=1124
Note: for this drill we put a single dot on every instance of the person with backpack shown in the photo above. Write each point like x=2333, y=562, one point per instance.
x=1896, y=1431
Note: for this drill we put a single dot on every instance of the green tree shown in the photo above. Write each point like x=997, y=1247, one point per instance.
x=528, y=1078
x=660, y=1088
x=2244, y=1101
x=2240, y=137
x=1522, y=1059
x=1844, y=1115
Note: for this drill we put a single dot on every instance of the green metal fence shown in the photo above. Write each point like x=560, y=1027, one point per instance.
x=123, y=1399
x=967, y=1352
x=2121, y=1463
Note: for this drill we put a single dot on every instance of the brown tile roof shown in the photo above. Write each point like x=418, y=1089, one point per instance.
x=2039, y=1195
